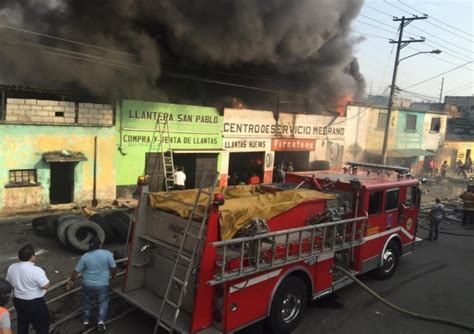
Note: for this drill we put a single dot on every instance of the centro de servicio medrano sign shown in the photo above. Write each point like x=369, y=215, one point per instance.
x=242, y=122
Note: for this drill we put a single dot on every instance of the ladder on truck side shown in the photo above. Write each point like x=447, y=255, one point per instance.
x=162, y=144
x=247, y=256
x=204, y=196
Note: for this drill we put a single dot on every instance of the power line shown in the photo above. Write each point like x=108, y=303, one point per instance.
x=443, y=46
x=438, y=75
x=380, y=22
x=378, y=10
x=67, y=40
x=460, y=88
x=438, y=57
x=440, y=21
x=441, y=39
x=374, y=26
x=370, y=35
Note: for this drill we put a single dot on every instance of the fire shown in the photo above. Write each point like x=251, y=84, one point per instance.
x=342, y=103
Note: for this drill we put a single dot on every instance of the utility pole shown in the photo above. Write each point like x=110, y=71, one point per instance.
x=404, y=21
x=441, y=91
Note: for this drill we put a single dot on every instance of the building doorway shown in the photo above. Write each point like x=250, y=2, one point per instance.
x=61, y=188
x=299, y=159
x=243, y=164
x=194, y=164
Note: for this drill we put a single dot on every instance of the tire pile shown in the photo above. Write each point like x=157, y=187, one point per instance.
x=75, y=231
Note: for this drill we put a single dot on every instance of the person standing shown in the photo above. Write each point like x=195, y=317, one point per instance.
x=290, y=167
x=29, y=285
x=444, y=169
x=179, y=179
x=468, y=205
x=468, y=165
x=96, y=266
x=432, y=167
x=437, y=214
x=6, y=291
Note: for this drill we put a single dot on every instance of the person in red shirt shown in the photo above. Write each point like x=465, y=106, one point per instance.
x=254, y=179
x=432, y=167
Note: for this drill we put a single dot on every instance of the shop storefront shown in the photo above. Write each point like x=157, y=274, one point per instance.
x=256, y=143
x=193, y=133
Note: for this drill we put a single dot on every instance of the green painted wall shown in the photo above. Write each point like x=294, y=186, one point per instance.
x=409, y=139
x=23, y=145
x=191, y=128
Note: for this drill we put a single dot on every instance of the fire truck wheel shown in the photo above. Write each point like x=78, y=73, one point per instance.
x=288, y=305
x=390, y=259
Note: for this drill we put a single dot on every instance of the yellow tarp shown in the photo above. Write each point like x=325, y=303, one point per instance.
x=242, y=204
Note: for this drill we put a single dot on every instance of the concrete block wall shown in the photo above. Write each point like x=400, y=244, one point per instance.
x=32, y=111
x=40, y=111
x=95, y=114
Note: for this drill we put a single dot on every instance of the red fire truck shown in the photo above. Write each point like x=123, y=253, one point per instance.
x=196, y=270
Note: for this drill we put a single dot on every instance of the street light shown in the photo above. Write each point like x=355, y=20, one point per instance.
x=390, y=99
x=432, y=51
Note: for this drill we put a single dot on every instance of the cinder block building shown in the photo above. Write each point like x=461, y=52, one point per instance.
x=57, y=149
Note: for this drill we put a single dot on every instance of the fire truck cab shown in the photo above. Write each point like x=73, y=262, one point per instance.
x=216, y=260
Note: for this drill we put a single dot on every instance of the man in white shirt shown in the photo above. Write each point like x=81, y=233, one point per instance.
x=179, y=179
x=30, y=284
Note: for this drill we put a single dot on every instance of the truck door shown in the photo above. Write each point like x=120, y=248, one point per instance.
x=409, y=213
x=390, y=215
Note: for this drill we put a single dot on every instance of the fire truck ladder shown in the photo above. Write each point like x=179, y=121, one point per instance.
x=204, y=196
x=250, y=255
x=163, y=131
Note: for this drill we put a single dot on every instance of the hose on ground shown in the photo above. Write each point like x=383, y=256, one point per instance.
x=401, y=310
x=449, y=233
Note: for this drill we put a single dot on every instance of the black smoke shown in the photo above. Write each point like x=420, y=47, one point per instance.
x=298, y=50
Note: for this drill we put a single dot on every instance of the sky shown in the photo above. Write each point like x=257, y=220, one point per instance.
x=449, y=28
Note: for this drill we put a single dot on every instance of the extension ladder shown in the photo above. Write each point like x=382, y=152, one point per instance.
x=158, y=145
x=203, y=195
x=250, y=255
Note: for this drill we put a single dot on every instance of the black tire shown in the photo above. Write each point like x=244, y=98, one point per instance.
x=81, y=243
x=120, y=222
x=110, y=234
x=288, y=306
x=63, y=224
x=46, y=225
x=390, y=261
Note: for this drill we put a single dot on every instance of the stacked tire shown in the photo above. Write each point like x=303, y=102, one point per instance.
x=74, y=231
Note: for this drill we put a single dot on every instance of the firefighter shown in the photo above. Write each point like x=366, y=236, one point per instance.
x=468, y=207
x=436, y=216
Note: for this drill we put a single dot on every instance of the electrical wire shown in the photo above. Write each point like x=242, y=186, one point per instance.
x=460, y=88
x=67, y=40
x=401, y=310
x=374, y=26
x=440, y=74
x=416, y=36
x=371, y=35
x=456, y=91
x=440, y=21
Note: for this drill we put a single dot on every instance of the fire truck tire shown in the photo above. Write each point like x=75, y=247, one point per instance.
x=390, y=260
x=288, y=305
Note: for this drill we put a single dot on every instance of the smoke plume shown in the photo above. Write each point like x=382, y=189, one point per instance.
x=298, y=47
